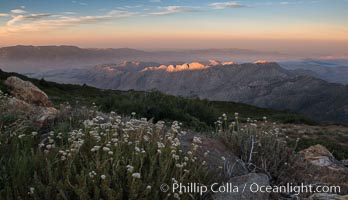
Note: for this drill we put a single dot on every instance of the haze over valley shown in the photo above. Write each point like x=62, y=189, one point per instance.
x=314, y=87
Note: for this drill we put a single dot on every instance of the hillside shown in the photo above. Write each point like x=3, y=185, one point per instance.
x=263, y=84
x=326, y=70
x=200, y=114
x=89, y=154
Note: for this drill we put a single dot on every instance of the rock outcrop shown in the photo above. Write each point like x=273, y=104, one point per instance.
x=30, y=100
x=321, y=168
x=326, y=196
x=26, y=91
x=177, y=68
x=320, y=156
x=261, y=62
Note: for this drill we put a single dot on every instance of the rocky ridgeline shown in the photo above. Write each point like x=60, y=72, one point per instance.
x=29, y=99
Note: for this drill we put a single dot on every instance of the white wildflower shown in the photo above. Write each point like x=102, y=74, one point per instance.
x=106, y=149
x=197, y=140
x=176, y=196
x=92, y=174
x=21, y=136
x=31, y=190
x=130, y=168
x=146, y=138
x=95, y=148
x=176, y=157
x=136, y=175
x=160, y=145
x=179, y=165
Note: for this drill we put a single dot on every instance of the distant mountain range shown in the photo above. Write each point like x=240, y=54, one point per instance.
x=261, y=83
x=334, y=71
x=42, y=58
x=305, y=86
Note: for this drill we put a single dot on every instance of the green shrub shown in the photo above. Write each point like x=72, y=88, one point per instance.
x=261, y=146
x=110, y=157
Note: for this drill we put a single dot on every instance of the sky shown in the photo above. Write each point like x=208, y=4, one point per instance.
x=302, y=26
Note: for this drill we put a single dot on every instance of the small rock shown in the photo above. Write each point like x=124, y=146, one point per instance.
x=321, y=168
x=320, y=156
x=345, y=162
x=46, y=115
x=326, y=196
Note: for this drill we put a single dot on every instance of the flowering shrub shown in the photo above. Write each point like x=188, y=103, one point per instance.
x=12, y=119
x=261, y=145
x=93, y=155
x=109, y=157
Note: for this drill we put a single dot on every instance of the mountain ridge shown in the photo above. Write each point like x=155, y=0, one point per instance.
x=27, y=59
x=263, y=84
x=152, y=104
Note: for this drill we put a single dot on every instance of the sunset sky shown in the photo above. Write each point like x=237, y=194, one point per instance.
x=312, y=26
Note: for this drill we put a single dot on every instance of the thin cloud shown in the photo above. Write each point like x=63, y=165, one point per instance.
x=34, y=22
x=20, y=18
x=4, y=15
x=69, y=13
x=18, y=11
x=120, y=13
x=222, y=5
x=80, y=3
x=169, y=10
x=290, y=3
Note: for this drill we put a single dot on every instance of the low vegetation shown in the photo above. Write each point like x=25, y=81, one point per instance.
x=261, y=146
x=108, y=157
x=92, y=155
